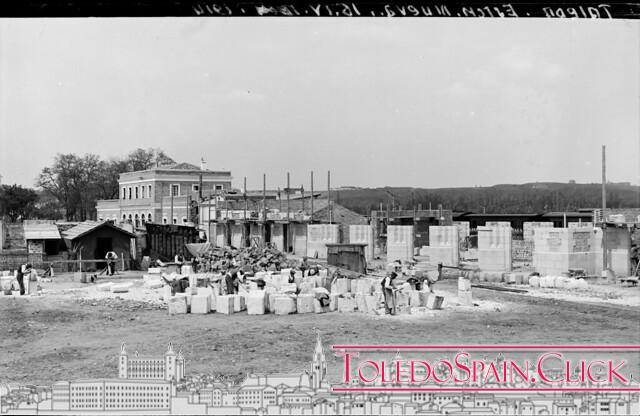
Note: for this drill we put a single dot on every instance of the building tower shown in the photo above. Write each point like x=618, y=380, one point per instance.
x=318, y=365
x=123, y=365
x=179, y=366
x=170, y=363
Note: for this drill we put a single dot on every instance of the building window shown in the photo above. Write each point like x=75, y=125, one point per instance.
x=149, y=191
x=184, y=220
x=175, y=190
x=175, y=220
x=136, y=192
x=149, y=217
x=219, y=187
x=129, y=192
x=195, y=187
x=124, y=193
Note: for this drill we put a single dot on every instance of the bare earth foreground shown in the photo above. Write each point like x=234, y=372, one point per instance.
x=58, y=337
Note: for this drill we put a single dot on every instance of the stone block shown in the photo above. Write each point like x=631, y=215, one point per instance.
x=201, y=304
x=341, y=286
x=346, y=304
x=225, y=304
x=435, y=302
x=154, y=270
x=177, y=305
x=371, y=303
x=333, y=301
x=318, y=308
x=187, y=296
x=306, y=287
x=464, y=284
x=289, y=288
x=156, y=283
x=402, y=298
x=414, y=298
x=534, y=281
x=360, y=302
x=105, y=287
x=403, y=310
x=121, y=287
x=424, y=297
x=305, y=303
x=257, y=302
x=272, y=301
x=465, y=298
x=285, y=305
x=239, y=303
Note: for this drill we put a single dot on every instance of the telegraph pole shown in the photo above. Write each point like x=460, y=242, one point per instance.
x=604, y=209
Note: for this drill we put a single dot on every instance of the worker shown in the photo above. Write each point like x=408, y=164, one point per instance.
x=261, y=284
x=111, y=258
x=232, y=281
x=634, y=255
x=179, y=260
x=23, y=270
x=389, y=289
x=304, y=265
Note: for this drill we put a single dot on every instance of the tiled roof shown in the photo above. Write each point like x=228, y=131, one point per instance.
x=88, y=226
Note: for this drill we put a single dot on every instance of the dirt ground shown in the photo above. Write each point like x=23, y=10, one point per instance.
x=59, y=336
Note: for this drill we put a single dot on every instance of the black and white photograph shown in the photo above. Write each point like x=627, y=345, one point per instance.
x=334, y=208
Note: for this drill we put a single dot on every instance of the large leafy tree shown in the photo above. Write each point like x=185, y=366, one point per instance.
x=141, y=159
x=77, y=182
x=17, y=202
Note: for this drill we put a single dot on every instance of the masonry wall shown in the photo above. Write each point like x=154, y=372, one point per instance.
x=559, y=249
x=399, y=242
x=318, y=235
x=494, y=248
x=363, y=234
x=299, y=238
x=444, y=245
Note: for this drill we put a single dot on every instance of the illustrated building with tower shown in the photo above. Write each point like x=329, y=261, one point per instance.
x=168, y=368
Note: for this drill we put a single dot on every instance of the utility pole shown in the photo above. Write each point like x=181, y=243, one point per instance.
x=311, y=197
x=288, y=187
x=264, y=198
x=210, y=199
x=171, y=190
x=604, y=210
x=329, y=195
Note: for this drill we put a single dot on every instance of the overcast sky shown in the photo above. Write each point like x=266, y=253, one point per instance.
x=399, y=102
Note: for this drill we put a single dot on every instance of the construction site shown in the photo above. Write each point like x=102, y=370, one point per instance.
x=235, y=275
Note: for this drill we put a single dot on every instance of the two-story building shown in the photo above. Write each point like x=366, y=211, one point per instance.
x=163, y=195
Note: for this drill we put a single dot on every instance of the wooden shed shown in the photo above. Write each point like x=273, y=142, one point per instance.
x=93, y=239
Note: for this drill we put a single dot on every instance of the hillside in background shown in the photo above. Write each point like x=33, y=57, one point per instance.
x=512, y=199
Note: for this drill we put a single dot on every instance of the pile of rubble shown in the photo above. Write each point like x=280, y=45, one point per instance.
x=122, y=304
x=248, y=260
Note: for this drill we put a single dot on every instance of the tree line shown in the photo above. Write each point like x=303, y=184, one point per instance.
x=498, y=199
x=70, y=187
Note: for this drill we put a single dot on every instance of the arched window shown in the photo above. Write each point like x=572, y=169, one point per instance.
x=136, y=192
x=130, y=218
x=149, y=217
x=124, y=217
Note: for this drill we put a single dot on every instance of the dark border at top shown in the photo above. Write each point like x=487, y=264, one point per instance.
x=351, y=9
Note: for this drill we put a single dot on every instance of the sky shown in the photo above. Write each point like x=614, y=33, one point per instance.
x=378, y=102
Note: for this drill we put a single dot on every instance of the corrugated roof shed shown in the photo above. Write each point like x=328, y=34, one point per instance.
x=41, y=232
